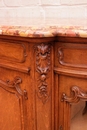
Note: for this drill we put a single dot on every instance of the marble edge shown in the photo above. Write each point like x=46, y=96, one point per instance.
x=47, y=31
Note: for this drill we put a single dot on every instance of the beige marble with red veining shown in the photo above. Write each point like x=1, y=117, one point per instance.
x=38, y=28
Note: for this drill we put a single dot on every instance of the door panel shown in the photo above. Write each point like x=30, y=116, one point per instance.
x=10, y=114
x=11, y=105
x=72, y=103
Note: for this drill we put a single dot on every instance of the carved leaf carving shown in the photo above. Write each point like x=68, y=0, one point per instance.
x=42, y=68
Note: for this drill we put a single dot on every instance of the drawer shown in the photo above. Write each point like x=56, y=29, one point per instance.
x=14, y=55
x=12, y=51
x=71, y=55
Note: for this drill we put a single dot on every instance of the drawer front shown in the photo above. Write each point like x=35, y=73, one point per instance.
x=15, y=55
x=11, y=51
x=71, y=55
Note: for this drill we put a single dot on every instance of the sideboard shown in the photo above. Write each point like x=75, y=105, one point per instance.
x=43, y=78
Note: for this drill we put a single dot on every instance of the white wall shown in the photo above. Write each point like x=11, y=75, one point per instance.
x=43, y=8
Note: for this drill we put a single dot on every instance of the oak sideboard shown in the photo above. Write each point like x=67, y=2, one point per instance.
x=43, y=78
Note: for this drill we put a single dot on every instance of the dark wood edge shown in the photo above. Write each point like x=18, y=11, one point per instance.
x=69, y=72
x=71, y=39
x=45, y=39
x=28, y=39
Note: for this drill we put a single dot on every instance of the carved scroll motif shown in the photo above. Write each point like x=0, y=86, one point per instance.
x=42, y=68
x=78, y=95
x=60, y=56
x=13, y=87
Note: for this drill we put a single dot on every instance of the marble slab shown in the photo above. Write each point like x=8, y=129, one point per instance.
x=46, y=28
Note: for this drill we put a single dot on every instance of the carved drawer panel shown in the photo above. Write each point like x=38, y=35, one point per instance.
x=12, y=51
x=72, y=55
x=14, y=55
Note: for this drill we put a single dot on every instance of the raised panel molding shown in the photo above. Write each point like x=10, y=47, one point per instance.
x=70, y=72
x=16, y=67
x=13, y=52
x=13, y=56
x=66, y=53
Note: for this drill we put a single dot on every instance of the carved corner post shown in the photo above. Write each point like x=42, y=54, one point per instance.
x=43, y=67
x=43, y=78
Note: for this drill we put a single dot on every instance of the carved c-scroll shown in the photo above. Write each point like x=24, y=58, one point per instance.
x=60, y=56
x=13, y=86
x=78, y=95
x=42, y=68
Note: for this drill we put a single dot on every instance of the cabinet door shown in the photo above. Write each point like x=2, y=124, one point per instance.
x=12, y=104
x=72, y=103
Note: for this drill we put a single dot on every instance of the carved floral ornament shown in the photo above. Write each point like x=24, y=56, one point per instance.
x=42, y=68
x=78, y=94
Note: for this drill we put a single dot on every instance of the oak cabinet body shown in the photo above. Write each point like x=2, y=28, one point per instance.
x=40, y=80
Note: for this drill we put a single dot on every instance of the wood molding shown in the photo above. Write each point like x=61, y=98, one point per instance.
x=16, y=67
x=71, y=72
x=63, y=61
x=13, y=52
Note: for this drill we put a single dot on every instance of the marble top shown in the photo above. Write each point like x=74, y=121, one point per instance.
x=43, y=28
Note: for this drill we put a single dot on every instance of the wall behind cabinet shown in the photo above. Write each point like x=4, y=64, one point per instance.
x=43, y=9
